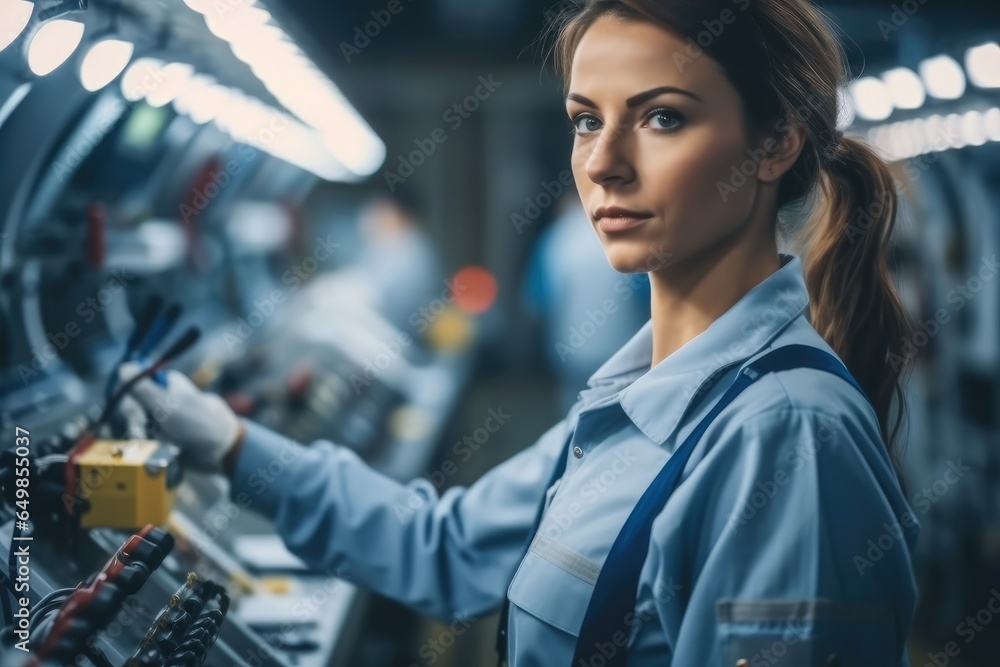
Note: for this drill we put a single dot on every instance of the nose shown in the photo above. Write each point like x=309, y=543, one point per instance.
x=609, y=160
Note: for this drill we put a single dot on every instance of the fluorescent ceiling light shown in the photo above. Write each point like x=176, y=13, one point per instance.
x=173, y=78
x=905, y=88
x=332, y=125
x=974, y=128
x=943, y=77
x=992, y=121
x=142, y=76
x=14, y=15
x=200, y=6
x=983, y=65
x=201, y=99
x=52, y=44
x=232, y=23
x=104, y=61
x=872, y=100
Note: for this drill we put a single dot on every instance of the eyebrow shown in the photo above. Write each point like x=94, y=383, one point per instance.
x=636, y=100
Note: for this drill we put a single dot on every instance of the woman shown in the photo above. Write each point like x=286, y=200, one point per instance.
x=784, y=537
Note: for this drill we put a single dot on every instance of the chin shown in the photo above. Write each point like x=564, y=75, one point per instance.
x=633, y=259
x=634, y=255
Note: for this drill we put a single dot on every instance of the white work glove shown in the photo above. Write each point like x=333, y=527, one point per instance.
x=133, y=416
x=200, y=423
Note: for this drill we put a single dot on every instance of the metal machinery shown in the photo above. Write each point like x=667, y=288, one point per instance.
x=116, y=197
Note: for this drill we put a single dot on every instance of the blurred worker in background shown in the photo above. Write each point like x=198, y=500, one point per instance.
x=397, y=259
x=589, y=309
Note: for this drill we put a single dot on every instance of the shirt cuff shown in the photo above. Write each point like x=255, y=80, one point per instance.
x=255, y=483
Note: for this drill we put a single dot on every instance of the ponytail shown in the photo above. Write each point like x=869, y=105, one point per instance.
x=853, y=302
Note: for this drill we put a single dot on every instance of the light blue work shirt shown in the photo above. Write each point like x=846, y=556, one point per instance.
x=787, y=542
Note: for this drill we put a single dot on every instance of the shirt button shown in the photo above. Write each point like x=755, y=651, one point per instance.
x=578, y=452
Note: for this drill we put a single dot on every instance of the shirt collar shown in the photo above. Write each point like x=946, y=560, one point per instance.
x=656, y=399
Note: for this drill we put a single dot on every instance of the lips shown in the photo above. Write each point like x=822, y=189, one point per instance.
x=615, y=219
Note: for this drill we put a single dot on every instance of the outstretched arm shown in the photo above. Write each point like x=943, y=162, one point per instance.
x=450, y=555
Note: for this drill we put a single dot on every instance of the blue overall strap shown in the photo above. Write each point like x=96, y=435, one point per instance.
x=614, y=596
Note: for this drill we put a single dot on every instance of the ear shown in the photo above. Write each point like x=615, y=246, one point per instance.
x=782, y=152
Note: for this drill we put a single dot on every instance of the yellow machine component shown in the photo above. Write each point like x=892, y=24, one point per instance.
x=128, y=483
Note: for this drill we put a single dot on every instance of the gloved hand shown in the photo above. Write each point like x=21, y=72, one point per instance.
x=198, y=422
x=132, y=418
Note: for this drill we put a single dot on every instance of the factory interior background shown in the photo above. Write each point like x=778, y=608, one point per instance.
x=367, y=210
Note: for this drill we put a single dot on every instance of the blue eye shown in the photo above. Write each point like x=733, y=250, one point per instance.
x=670, y=119
x=586, y=124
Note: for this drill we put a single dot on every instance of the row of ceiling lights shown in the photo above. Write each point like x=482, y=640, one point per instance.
x=302, y=89
x=907, y=139
x=874, y=98
x=332, y=140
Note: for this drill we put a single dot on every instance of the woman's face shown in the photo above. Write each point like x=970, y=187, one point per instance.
x=661, y=136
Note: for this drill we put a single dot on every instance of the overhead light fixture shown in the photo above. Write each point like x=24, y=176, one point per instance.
x=200, y=6
x=301, y=88
x=974, y=128
x=935, y=133
x=104, y=61
x=52, y=44
x=983, y=65
x=943, y=77
x=14, y=15
x=142, y=76
x=991, y=119
x=236, y=21
x=173, y=78
x=872, y=100
x=905, y=88
x=201, y=100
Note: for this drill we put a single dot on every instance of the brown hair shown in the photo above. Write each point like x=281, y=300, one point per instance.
x=786, y=63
